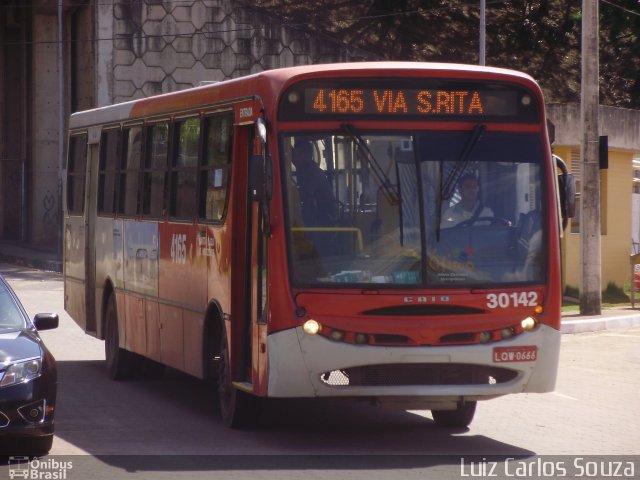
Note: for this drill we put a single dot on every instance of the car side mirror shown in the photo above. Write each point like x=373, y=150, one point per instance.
x=46, y=321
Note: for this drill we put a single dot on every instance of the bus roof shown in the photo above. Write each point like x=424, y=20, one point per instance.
x=273, y=81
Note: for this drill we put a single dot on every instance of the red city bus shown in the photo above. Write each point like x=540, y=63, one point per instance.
x=388, y=231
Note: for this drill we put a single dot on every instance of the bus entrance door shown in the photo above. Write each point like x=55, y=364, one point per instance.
x=244, y=265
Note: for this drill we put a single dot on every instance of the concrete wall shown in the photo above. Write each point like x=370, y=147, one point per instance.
x=620, y=124
x=44, y=215
x=116, y=51
x=166, y=46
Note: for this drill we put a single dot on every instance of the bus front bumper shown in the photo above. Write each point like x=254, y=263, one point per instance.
x=302, y=365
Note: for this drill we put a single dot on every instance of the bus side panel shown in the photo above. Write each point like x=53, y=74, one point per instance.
x=140, y=261
x=141, y=258
x=193, y=332
x=109, y=262
x=135, y=325
x=74, y=270
x=171, y=336
x=183, y=269
x=152, y=318
x=219, y=270
x=182, y=283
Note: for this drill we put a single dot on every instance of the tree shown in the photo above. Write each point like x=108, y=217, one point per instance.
x=539, y=37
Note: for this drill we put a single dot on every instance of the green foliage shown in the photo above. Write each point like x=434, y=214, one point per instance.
x=614, y=294
x=611, y=295
x=571, y=292
x=539, y=37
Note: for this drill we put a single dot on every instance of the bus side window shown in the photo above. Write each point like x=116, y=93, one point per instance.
x=184, y=165
x=108, y=171
x=215, y=170
x=130, y=173
x=76, y=174
x=155, y=166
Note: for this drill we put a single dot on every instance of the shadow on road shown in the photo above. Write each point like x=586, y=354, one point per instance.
x=172, y=424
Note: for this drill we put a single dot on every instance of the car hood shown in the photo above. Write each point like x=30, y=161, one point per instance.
x=18, y=345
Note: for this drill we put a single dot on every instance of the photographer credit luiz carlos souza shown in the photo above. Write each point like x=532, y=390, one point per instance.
x=552, y=467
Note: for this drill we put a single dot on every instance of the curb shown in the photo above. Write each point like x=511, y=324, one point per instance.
x=599, y=323
x=37, y=263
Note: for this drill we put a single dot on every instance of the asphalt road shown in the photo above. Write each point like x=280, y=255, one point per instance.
x=170, y=428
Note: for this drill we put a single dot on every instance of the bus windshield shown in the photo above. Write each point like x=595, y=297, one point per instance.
x=432, y=209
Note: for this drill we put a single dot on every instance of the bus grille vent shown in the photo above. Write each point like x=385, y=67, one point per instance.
x=417, y=374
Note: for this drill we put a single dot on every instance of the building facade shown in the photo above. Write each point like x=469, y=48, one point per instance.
x=113, y=51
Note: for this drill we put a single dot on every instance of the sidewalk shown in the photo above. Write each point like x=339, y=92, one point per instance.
x=31, y=256
x=572, y=322
x=610, y=318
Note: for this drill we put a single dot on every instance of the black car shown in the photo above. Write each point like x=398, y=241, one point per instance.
x=28, y=378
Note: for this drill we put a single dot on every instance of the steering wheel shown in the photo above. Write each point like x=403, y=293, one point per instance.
x=490, y=220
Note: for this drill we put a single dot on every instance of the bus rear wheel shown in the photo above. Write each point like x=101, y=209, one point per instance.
x=238, y=409
x=461, y=417
x=121, y=364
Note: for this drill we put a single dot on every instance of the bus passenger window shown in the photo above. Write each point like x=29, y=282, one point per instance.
x=215, y=170
x=130, y=175
x=107, y=178
x=184, y=169
x=76, y=172
x=155, y=166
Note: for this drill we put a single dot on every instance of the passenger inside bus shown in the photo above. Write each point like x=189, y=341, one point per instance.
x=470, y=205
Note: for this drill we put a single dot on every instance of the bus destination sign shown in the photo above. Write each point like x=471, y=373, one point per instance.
x=373, y=101
x=447, y=100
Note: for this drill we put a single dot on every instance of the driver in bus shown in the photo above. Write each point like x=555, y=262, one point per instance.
x=470, y=205
x=316, y=197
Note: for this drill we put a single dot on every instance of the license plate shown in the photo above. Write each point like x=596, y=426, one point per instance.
x=526, y=353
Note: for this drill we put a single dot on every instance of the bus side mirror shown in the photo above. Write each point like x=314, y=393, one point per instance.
x=567, y=195
x=260, y=178
x=567, y=192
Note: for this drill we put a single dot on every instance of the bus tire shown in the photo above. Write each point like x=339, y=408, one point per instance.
x=461, y=417
x=238, y=409
x=121, y=364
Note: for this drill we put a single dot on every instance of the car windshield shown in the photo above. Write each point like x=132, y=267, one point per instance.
x=435, y=209
x=10, y=315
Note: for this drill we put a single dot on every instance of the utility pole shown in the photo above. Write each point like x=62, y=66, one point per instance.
x=591, y=292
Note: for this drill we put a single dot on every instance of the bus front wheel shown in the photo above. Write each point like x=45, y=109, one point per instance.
x=461, y=417
x=238, y=409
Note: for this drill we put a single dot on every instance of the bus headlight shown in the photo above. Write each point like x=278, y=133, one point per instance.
x=311, y=327
x=529, y=324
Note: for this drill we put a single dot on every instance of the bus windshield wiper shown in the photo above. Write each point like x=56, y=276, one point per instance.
x=448, y=187
x=389, y=190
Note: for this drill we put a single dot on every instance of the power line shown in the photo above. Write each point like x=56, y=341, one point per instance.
x=620, y=7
